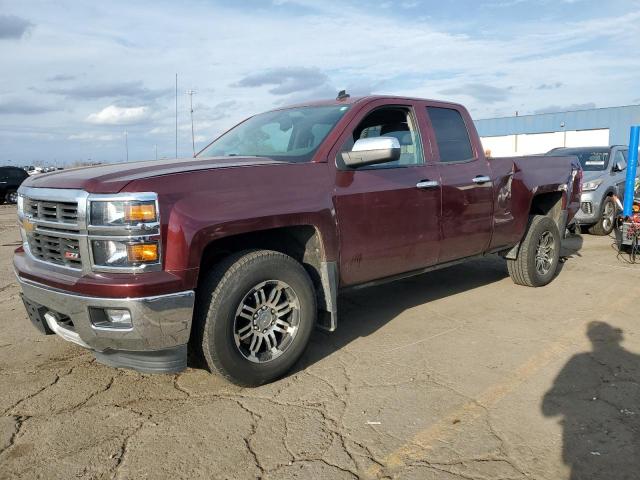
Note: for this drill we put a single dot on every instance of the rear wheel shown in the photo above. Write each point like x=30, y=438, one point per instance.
x=607, y=218
x=539, y=254
x=256, y=311
x=11, y=197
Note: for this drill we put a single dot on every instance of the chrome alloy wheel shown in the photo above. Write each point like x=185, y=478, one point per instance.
x=608, y=216
x=13, y=197
x=545, y=253
x=266, y=321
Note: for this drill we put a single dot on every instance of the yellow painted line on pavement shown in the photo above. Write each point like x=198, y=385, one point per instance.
x=423, y=440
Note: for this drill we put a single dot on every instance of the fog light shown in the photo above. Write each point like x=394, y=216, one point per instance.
x=112, y=318
x=119, y=316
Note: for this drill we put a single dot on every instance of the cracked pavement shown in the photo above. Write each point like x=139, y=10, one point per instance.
x=457, y=374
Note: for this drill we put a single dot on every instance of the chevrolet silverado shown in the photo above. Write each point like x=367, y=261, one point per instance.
x=236, y=254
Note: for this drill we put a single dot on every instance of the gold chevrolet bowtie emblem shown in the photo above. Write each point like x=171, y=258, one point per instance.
x=27, y=225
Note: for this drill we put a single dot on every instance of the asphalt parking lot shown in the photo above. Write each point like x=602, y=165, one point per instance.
x=458, y=374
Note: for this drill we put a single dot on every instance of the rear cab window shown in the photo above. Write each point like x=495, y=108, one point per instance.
x=452, y=136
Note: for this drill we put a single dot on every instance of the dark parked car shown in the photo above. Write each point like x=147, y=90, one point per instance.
x=10, y=179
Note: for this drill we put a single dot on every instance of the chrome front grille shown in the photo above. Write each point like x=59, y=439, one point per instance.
x=54, y=212
x=56, y=248
x=55, y=228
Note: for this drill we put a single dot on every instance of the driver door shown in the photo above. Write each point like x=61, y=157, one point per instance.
x=387, y=214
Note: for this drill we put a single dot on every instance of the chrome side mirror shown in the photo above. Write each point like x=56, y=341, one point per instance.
x=372, y=151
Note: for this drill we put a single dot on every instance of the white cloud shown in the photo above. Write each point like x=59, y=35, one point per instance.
x=160, y=130
x=218, y=44
x=90, y=136
x=114, y=115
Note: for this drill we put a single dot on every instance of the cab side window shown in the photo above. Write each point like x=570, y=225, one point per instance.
x=621, y=158
x=395, y=122
x=451, y=134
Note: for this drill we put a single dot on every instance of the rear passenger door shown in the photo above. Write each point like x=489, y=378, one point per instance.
x=467, y=186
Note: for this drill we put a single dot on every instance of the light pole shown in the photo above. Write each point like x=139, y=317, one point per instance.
x=176, y=115
x=156, y=149
x=126, y=143
x=193, y=137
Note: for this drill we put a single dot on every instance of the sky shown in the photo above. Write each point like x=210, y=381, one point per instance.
x=77, y=75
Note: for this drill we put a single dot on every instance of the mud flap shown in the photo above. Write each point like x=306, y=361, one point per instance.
x=328, y=297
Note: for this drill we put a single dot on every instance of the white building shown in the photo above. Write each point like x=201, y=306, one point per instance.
x=531, y=134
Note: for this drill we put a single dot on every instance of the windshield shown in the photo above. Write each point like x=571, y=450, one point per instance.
x=291, y=135
x=591, y=160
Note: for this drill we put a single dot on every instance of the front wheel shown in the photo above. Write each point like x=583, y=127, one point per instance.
x=256, y=311
x=11, y=197
x=539, y=254
x=607, y=218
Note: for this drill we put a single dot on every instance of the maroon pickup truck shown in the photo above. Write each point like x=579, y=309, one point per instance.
x=237, y=253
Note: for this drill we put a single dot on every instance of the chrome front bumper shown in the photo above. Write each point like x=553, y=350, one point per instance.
x=160, y=323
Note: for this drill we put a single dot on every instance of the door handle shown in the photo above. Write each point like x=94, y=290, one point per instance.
x=481, y=179
x=424, y=184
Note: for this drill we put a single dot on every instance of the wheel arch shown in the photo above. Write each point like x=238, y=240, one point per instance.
x=303, y=242
x=551, y=204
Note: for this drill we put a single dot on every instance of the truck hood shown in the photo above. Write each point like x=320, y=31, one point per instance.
x=112, y=178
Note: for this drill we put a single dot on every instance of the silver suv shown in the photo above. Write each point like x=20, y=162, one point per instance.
x=604, y=175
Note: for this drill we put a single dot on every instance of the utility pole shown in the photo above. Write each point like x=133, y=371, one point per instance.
x=126, y=143
x=176, y=115
x=191, y=93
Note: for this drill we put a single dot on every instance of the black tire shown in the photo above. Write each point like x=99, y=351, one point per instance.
x=574, y=229
x=523, y=269
x=605, y=224
x=220, y=295
x=11, y=197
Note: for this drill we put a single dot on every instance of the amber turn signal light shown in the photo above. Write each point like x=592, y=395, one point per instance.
x=142, y=252
x=143, y=212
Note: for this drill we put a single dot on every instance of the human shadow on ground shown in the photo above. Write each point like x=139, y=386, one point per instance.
x=597, y=395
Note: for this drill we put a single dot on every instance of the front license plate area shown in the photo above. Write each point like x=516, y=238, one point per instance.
x=36, y=313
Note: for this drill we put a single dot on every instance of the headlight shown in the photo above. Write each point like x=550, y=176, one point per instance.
x=123, y=212
x=124, y=232
x=590, y=186
x=118, y=253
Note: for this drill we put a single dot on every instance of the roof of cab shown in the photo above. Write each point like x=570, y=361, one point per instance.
x=349, y=100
